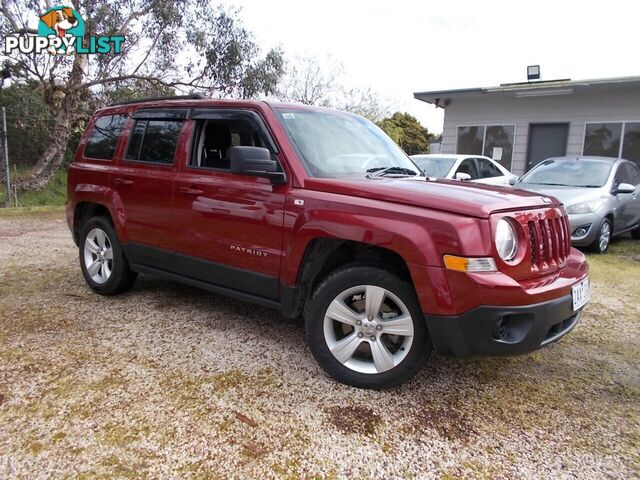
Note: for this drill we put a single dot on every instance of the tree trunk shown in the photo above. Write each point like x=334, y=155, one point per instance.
x=53, y=155
x=51, y=159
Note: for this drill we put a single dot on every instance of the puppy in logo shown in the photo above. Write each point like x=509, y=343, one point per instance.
x=60, y=21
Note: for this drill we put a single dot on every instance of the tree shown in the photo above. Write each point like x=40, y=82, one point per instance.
x=171, y=45
x=308, y=81
x=407, y=132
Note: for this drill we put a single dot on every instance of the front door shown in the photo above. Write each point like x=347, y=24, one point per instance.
x=228, y=226
x=546, y=140
x=628, y=204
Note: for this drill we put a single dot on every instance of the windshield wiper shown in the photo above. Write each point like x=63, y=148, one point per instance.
x=380, y=171
x=553, y=184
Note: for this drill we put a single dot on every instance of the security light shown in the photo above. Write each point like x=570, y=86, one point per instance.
x=533, y=72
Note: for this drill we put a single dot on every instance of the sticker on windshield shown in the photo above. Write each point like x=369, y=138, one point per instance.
x=288, y=115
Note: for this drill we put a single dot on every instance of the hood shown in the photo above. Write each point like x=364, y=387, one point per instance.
x=566, y=195
x=471, y=199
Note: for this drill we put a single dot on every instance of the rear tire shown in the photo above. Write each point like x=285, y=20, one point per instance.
x=635, y=234
x=102, y=260
x=603, y=240
x=377, y=342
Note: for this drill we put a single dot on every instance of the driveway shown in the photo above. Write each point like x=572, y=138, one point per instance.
x=170, y=381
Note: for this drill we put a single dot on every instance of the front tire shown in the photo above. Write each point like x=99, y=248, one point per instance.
x=603, y=240
x=103, y=264
x=365, y=328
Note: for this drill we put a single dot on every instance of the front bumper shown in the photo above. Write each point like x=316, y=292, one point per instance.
x=489, y=330
x=589, y=221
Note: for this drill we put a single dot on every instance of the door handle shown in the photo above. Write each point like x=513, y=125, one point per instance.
x=122, y=181
x=190, y=191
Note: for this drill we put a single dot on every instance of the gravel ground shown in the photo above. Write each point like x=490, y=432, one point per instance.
x=170, y=381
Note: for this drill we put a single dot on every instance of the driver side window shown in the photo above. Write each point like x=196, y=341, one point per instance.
x=634, y=174
x=468, y=166
x=488, y=169
x=214, y=137
x=623, y=175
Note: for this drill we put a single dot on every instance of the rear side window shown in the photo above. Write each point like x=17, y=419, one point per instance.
x=154, y=141
x=103, y=138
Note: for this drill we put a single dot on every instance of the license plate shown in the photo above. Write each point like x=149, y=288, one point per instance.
x=580, y=294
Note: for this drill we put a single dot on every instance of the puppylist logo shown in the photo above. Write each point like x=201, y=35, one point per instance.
x=61, y=32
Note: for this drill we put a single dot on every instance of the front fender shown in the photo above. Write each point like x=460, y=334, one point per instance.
x=419, y=236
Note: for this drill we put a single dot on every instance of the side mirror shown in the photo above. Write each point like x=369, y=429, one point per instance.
x=255, y=161
x=463, y=176
x=625, y=188
x=513, y=180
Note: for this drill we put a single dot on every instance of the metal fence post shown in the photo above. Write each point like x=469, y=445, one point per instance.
x=5, y=154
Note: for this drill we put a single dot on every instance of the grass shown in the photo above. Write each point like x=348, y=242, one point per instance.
x=53, y=195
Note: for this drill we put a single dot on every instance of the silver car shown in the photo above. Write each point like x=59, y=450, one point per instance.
x=601, y=196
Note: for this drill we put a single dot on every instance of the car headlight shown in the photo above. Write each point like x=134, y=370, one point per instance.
x=585, y=207
x=506, y=240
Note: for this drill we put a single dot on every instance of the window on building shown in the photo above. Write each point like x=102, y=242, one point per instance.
x=470, y=140
x=154, y=141
x=103, y=138
x=631, y=142
x=500, y=136
x=483, y=139
x=602, y=139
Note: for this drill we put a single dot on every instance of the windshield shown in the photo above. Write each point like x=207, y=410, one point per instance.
x=437, y=167
x=337, y=145
x=571, y=173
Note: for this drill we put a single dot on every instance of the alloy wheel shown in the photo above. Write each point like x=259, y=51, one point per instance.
x=605, y=236
x=98, y=255
x=368, y=329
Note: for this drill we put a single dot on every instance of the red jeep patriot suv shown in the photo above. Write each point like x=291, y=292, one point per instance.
x=318, y=213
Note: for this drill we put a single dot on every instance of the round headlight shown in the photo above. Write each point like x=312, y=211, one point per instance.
x=506, y=240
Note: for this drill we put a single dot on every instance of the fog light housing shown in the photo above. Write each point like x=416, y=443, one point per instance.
x=500, y=329
x=580, y=231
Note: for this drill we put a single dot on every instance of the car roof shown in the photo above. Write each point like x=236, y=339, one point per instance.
x=575, y=158
x=192, y=102
x=451, y=156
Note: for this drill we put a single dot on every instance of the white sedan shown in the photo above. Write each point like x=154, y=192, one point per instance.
x=475, y=168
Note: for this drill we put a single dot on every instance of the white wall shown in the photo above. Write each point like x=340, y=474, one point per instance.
x=576, y=109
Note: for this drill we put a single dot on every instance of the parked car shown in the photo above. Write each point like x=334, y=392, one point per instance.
x=317, y=213
x=475, y=168
x=599, y=193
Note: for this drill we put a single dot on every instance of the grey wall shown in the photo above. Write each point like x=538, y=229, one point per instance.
x=576, y=108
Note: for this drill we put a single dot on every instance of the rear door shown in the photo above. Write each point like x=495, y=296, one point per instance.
x=143, y=180
x=228, y=226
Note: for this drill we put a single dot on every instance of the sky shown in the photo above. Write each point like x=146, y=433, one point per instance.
x=403, y=46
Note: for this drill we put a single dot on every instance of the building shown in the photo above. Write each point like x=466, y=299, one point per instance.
x=521, y=124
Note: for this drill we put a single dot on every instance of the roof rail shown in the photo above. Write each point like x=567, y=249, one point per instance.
x=195, y=96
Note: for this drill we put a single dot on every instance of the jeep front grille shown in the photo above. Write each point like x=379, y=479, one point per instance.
x=550, y=242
